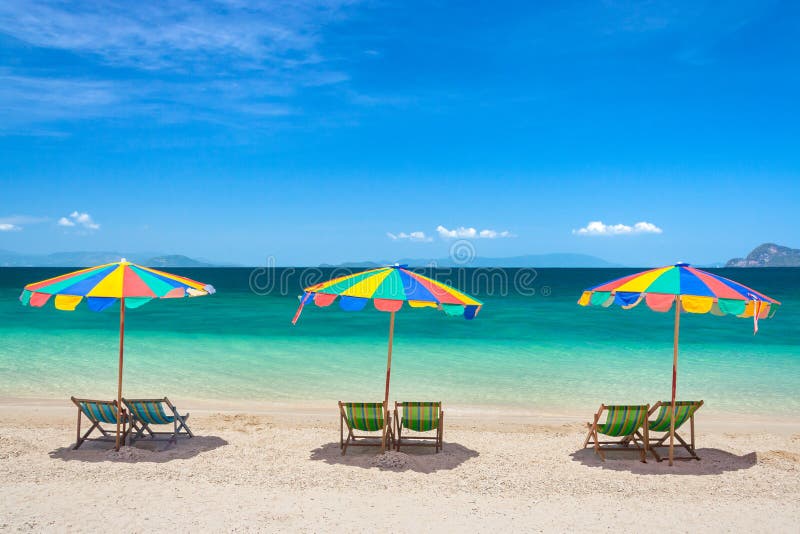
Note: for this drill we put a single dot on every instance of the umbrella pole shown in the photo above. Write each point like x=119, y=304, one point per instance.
x=119, y=377
x=674, y=379
x=388, y=373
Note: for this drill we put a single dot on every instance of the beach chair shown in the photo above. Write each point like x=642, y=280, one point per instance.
x=419, y=417
x=622, y=422
x=684, y=411
x=364, y=417
x=148, y=412
x=100, y=412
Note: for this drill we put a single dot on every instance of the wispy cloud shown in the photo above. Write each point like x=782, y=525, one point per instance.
x=76, y=218
x=410, y=236
x=598, y=228
x=178, y=34
x=463, y=232
x=14, y=223
x=23, y=219
x=175, y=61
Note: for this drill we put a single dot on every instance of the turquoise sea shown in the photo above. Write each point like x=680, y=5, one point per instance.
x=531, y=346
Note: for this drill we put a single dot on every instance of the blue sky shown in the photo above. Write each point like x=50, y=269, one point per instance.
x=312, y=130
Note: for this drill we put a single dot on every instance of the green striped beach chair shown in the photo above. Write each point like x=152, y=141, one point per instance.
x=624, y=422
x=100, y=413
x=364, y=417
x=684, y=411
x=148, y=412
x=419, y=417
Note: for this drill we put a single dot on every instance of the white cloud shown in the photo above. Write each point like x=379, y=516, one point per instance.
x=14, y=223
x=77, y=218
x=471, y=233
x=411, y=236
x=599, y=228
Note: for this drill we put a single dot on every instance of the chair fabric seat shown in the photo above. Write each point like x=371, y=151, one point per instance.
x=421, y=416
x=365, y=416
x=99, y=411
x=151, y=412
x=683, y=411
x=623, y=420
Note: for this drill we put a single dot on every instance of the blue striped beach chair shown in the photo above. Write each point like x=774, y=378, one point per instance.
x=100, y=413
x=419, y=417
x=364, y=417
x=684, y=411
x=629, y=423
x=148, y=412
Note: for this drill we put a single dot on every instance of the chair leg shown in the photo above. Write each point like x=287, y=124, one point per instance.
x=688, y=447
x=655, y=454
x=182, y=425
x=346, y=443
x=399, y=437
x=78, y=437
x=144, y=428
x=588, y=435
x=591, y=437
x=181, y=420
x=396, y=428
x=81, y=439
x=597, y=447
x=644, y=444
x=441, y=432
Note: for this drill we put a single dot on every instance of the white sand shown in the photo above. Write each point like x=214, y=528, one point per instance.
x=281, y=469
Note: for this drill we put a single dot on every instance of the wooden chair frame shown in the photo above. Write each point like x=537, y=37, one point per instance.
x=179, y=426
x=106, y=434
x=436, y=441
x=659, y=441
x=640, y=440
x=387, y=434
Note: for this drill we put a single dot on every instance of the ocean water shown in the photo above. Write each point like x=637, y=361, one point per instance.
x=531, y=346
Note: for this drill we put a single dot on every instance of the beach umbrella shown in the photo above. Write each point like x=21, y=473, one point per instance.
x=692, y=291
x=102, y=286
x=388, y=288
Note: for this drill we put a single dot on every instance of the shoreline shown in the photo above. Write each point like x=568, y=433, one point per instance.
x=495, y=416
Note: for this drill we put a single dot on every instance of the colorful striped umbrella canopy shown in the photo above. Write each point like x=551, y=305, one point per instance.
x=388, y=288
x=696, y=291
x=102, y=286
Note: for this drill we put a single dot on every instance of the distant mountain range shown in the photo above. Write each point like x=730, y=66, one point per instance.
x=531, y=260
x=87, y=259
x=768, y=255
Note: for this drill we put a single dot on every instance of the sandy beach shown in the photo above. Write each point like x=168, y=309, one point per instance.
x=279, y=468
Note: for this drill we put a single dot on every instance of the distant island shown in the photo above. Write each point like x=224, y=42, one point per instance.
x=768, y=255
x=531, y=260
x=87, y=259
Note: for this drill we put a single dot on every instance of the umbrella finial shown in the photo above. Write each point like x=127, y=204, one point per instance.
x=681, y=264
x=123, y=260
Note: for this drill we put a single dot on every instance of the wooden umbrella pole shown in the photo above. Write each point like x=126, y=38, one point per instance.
x=388, y=373
x=674, y=378
x=119, y=376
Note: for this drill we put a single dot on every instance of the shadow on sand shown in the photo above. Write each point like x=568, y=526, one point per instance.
x=140, y=451
x=418, y=459
x=712, y=462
